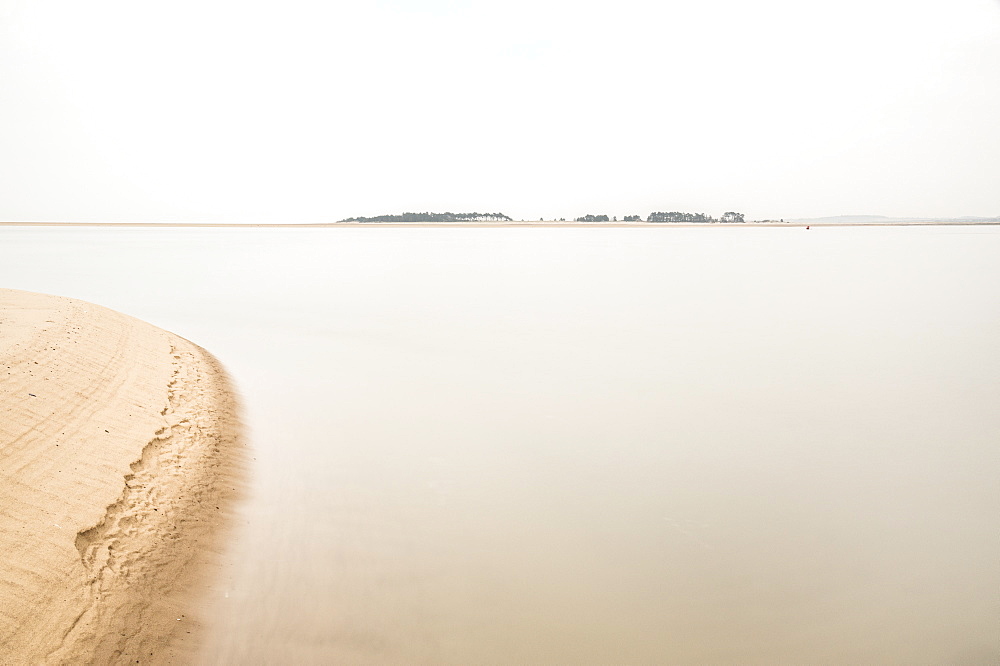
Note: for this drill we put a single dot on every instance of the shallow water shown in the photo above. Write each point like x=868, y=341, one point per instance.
x=724, y=445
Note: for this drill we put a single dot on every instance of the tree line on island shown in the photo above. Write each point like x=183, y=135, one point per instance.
x=672, y=216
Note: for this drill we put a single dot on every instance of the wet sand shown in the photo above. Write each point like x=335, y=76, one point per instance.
x=119, y=464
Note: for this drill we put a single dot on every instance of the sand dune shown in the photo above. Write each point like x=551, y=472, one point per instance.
x=119, y=458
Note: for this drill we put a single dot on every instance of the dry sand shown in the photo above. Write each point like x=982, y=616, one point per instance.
x=120, y=458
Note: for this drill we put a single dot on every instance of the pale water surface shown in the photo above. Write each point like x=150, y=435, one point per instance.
x=540, y=446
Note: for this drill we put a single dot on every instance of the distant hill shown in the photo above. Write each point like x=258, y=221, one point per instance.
x=882, y=219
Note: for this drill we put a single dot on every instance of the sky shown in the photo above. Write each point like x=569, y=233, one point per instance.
x=255, y=111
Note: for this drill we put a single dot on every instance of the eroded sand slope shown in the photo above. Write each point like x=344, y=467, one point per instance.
x=119, y=456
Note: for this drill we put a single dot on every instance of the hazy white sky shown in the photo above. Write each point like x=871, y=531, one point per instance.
x=212, y=110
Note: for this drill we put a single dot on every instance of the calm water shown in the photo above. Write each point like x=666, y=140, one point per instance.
x=589, y=445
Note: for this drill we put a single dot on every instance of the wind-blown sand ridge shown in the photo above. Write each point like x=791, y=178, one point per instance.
x=120, y=460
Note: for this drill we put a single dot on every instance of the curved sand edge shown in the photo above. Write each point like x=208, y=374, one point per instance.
x=120, y=460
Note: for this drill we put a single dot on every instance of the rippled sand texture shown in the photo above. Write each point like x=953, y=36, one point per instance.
x=119, y=457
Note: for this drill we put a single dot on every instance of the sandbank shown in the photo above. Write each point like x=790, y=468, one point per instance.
x=120, y=462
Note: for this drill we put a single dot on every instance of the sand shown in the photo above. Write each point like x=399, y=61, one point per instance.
x=120, y=460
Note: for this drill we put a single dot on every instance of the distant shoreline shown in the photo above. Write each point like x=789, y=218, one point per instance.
x=629, y=225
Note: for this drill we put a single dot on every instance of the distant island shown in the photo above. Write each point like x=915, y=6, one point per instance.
x=673, y=216
x=434, y=217
x=660, y=217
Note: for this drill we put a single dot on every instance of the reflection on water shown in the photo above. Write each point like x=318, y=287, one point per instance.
x=589, y=445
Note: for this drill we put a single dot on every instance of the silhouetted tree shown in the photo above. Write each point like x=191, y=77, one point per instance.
x=675, y=216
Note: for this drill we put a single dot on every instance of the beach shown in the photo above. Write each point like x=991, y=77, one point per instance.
x=120, y=460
